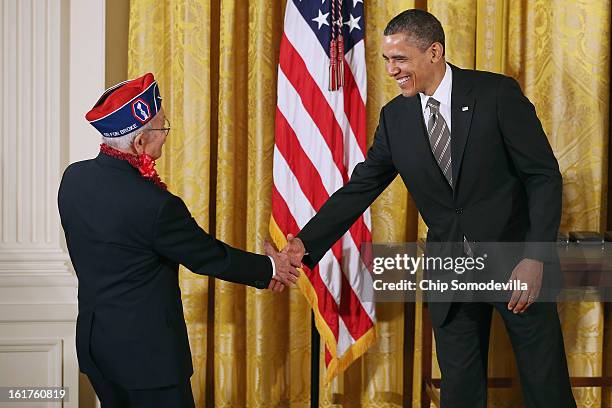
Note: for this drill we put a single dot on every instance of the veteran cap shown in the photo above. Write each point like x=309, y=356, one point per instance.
x=126, y=107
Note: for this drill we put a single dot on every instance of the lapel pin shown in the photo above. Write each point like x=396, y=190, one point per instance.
x=465, y=108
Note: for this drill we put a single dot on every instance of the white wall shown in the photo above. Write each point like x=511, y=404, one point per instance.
x=51, y=73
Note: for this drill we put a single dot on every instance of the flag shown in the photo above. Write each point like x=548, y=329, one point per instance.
x=320, y=136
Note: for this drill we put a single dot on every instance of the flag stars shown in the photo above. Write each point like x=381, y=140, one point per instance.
x=353, y=23
x=355, y=2
x=321, y=19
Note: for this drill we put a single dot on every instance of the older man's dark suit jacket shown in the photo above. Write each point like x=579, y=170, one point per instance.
x=126, y=239
x=507, y=185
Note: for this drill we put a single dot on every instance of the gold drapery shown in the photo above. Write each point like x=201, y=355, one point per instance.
x=216, y=61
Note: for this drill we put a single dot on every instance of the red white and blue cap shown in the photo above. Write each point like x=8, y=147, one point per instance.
x=126, y=107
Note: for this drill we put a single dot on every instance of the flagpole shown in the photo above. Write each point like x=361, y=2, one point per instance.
x=315, y=347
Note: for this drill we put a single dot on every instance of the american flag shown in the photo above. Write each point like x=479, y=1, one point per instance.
x=320, y=137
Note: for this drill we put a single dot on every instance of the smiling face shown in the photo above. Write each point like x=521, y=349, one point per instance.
x=414, y=69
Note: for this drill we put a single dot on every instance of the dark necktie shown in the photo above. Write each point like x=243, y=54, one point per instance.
x=439, y=139
x=440, y=142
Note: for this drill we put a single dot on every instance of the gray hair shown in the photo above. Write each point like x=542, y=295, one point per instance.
x=125, y=142
x=419, y=26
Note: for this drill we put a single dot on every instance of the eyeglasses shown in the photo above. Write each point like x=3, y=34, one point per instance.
x=166, y=128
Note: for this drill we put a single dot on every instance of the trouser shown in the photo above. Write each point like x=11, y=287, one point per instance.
x=112, y=395
x=462, y=345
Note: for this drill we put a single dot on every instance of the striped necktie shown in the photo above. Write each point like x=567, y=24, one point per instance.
x=439, y=139
x=440, y=142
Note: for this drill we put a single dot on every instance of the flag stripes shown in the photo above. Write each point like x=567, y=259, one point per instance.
x=320, y=136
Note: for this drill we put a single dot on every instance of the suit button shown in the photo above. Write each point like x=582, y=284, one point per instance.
x=459, y=210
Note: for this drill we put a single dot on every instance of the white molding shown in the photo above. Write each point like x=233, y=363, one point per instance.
x=54, y=362
x=32, y=94
x=52, y=346
x=52, y=67
x=29, y=280
x=28, y=262
x=31, y=162
x=28, y=313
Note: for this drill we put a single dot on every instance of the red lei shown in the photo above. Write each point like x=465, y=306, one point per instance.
x=143, y=162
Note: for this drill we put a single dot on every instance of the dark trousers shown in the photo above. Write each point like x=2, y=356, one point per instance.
x=462, y=345
x=112, y=395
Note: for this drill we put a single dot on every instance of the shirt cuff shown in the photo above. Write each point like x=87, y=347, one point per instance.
x=273, y=266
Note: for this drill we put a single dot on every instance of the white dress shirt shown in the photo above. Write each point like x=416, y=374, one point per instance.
x=442, y=95
x=273, y=266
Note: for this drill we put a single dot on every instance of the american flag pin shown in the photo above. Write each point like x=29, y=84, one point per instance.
x=465, y=108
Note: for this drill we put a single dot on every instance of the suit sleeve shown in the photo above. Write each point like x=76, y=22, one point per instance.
x=180, y=239
x=537, y=166
x=345, y=206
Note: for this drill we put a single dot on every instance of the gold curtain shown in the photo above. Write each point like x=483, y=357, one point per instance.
x=216, y=61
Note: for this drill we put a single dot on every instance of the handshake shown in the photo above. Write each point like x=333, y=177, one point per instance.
x=286, y=263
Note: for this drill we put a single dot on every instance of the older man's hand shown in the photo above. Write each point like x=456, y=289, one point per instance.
x=286, y=274
x=295, y=250
x=276, y=286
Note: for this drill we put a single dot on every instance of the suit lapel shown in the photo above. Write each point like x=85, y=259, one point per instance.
x=462, y=108
x=419, y=126
x=412, y=122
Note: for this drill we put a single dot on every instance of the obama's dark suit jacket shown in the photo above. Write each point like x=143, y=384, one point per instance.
x=507, y=184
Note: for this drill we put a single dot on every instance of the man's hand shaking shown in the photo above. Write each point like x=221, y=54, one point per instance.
x=287, y=261
x=286, y=274
x=295, y=250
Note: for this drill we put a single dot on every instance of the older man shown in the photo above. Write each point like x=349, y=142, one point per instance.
x=127, y=235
